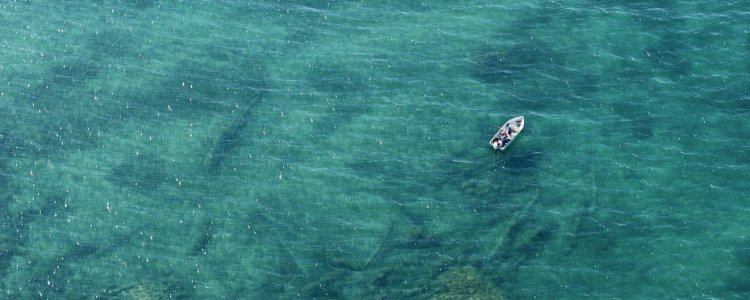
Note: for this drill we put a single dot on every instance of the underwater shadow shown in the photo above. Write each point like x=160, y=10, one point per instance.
x=501, y=65
x=637, y=118
x=143, y=173
x=345, y=93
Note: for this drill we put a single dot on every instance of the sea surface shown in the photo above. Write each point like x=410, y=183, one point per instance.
x=283, y=149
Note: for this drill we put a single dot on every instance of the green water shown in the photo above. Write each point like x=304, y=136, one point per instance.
x=338, y=149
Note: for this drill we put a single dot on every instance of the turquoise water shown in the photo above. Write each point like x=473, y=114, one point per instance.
x=338, y=149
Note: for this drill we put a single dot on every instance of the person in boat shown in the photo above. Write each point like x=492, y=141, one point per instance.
x=505, y=134
x=496, y=143
x=504, y=140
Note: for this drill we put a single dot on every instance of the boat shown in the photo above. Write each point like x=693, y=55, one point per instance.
x=507, y=133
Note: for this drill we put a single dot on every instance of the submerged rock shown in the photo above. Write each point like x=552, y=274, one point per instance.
x=148, y=290
x=465, y=283
x=144, y=291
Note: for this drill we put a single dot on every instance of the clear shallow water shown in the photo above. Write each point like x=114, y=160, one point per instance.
x=305, y=149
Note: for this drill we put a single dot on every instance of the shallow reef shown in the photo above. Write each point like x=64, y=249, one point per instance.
x=512, y=173
x=17, y=226
x=737, y=280
x=666, y=55
x=742, y=254
x=522, y=162
x=110, y=43
x=72, y=73
x=143, y=4
x=228, y=139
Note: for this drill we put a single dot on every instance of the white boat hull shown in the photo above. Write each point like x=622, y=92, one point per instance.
x=507, y=133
